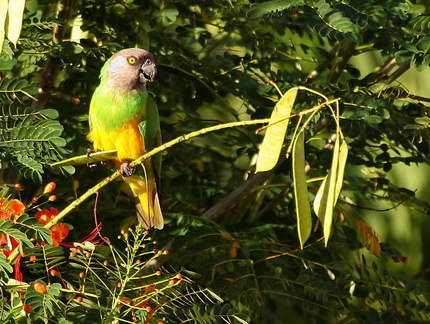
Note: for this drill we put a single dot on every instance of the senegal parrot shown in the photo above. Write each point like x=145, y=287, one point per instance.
x=124, y=117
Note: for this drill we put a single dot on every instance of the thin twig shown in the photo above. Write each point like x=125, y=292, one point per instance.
x=400, y=71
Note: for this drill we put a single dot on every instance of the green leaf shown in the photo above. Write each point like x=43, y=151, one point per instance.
x=33, y=229
x=28, y=167
x=270, y=149
x=49, y=113
x=259, y=10
x=5, y=268
x=44, y=305
x=7, y=228
x=87, y=159
x=29, y=139
x=337, y=24
x=424, y=44
x=303, y=209
x=373, y=119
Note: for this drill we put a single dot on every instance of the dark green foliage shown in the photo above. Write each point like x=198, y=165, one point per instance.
x=31, y=140
x=5, y=268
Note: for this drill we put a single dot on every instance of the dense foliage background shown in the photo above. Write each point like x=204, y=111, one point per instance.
x=234, y=252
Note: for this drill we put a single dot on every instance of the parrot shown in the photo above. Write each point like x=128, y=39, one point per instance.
x=124, y=117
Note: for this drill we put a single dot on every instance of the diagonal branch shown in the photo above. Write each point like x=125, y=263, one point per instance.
x=138, y=161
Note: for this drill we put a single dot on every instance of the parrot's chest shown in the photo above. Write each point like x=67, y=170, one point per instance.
x=127, y=140
x=115, y=123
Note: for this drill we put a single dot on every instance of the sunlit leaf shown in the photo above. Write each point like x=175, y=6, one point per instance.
x=303, y=209
x=275, y=134
x=327, y=195
x=3, y=15
x=343, y=156
x=15, y=14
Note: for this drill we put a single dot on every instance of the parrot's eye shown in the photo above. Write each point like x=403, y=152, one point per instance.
x=132, y=60
x=148, y=62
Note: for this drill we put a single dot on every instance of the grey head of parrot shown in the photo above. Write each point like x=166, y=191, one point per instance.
x=129, y=69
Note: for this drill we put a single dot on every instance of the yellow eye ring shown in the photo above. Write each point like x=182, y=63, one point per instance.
x=132, y=60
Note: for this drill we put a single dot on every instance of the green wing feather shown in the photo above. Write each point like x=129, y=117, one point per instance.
x=149, y=127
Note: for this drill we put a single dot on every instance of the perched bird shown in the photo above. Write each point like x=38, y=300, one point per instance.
x=124, y=117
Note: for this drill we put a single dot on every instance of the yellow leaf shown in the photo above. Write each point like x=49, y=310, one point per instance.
x=303, y=209
x=328, y=194
x=343, y=156
x=3, y=15
x=270, y=149
x=15, y=14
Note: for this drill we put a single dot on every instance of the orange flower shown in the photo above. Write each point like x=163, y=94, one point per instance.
x=45, y=215
x=59, y=233
x=10, y=207
x=16, y=207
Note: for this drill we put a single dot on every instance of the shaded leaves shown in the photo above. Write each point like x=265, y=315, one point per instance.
x=30, y=140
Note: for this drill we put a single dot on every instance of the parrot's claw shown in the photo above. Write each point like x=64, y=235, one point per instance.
x=90, y=151
x=126, y=170
x=91, y=166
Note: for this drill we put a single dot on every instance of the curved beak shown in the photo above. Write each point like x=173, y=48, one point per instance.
x=148, y=73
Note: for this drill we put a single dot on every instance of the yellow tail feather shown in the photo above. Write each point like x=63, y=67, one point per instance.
x=148, y=204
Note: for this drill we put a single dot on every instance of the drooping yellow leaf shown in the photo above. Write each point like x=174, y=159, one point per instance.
x=343, y=156
x=327, y=195
x=331, y=192
x=303, y=209
x=3, y=15
x=15, y=13
x=270, y=149
x=85, y=159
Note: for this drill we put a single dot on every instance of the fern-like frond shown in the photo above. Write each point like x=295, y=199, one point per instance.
x=30, y=139
x=44, y=304
x=334, y=23
x=5, y=268
x=259, y=10
x=46, y=256
x=16, y=89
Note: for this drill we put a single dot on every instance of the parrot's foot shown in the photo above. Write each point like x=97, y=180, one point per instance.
x=91, y=151
x=91, y=166
x=126, y=170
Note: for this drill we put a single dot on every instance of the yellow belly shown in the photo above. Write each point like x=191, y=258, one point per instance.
x=127, y=140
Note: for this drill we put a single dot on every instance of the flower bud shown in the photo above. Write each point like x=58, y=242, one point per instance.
x=27, y=308
x=50, y=187
x=40, y=288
